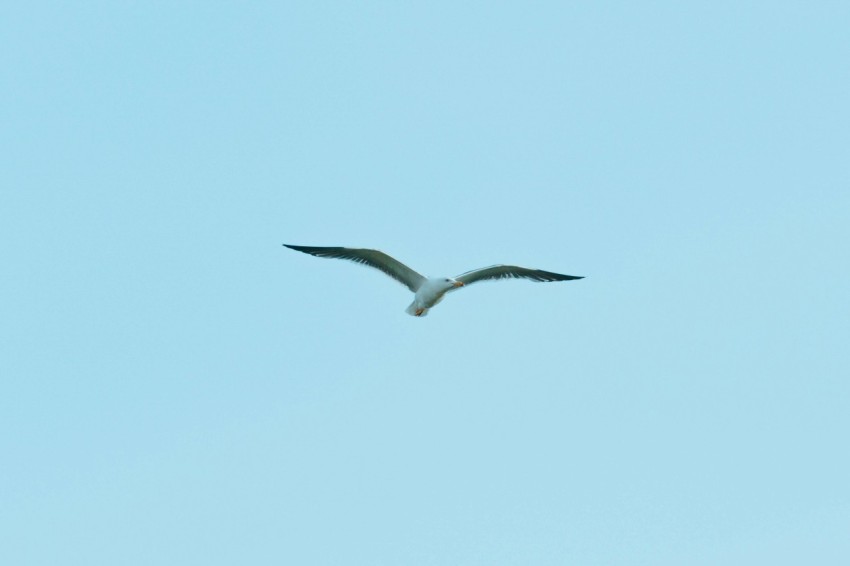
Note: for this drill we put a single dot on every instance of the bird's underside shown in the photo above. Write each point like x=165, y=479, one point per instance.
x=429, y=292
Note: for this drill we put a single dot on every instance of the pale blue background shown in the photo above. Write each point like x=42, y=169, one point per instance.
x=179, y=389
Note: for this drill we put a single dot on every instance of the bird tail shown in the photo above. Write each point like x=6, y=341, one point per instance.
x=416, y=310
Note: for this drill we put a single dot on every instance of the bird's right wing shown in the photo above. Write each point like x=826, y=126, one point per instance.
x=511, y=272
x=372, y=258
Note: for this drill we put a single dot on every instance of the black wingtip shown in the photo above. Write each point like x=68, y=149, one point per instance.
x=549, y=276
x=306, y=249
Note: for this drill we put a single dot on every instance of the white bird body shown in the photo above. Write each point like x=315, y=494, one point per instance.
x=429, y=291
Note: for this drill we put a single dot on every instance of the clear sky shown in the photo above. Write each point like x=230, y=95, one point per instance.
x=176, y=388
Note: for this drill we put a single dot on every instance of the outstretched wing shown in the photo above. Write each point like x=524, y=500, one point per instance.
x=372, y=258
x=511, y=272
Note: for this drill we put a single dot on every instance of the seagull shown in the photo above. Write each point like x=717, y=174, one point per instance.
x=429, y=291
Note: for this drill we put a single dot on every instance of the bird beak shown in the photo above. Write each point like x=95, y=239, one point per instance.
x=458, y=284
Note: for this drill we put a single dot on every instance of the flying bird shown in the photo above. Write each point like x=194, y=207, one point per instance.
x=429, y=291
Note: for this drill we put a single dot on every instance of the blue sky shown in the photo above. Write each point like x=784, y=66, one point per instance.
x=177, y=388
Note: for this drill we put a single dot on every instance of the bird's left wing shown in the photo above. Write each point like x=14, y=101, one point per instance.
x=511, y=272
x=373, y=258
